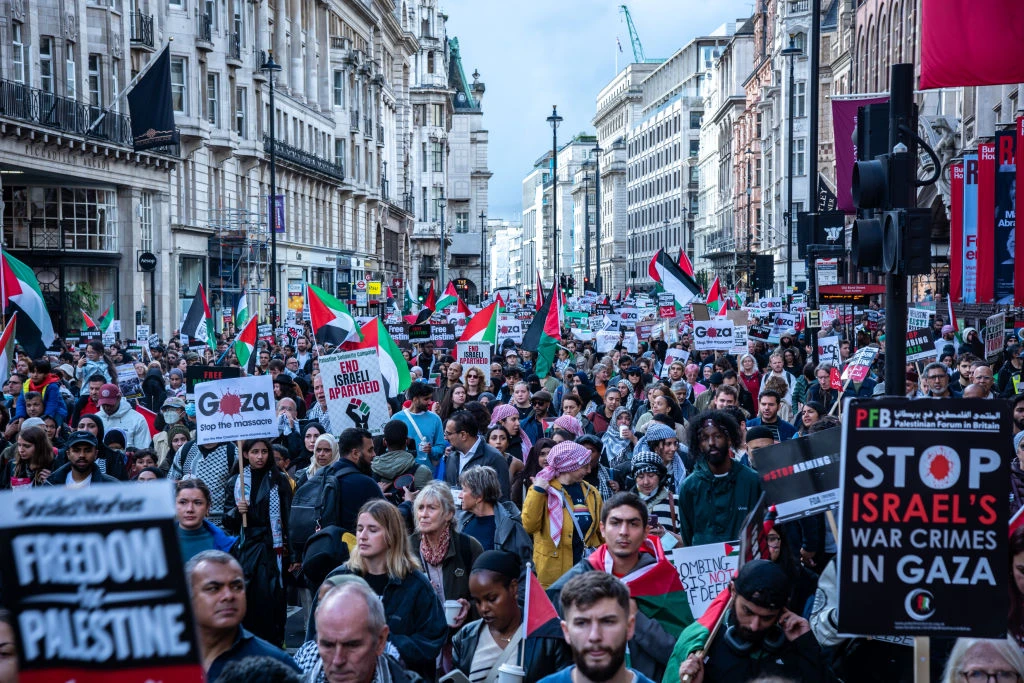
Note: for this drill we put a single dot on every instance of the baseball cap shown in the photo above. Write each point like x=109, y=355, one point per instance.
x=763, y=583
x=67, y=370
x=81, y=437
x=110, y=395
x=174, y=402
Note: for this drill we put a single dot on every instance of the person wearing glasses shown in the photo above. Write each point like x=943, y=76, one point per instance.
x=980, y=660
x=532, y=424
x=469, y=450
x=982, y=379
x=936, y=382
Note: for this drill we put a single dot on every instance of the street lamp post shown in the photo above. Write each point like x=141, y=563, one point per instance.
x=554, y=120
x=790, y=52
x=750, y=231
x=597, y=216
x=586, y=221
x=441, y=204
x=270, y=67
x=483, y=261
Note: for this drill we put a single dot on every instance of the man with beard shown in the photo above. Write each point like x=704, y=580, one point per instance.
x=353, y=469
x=598, y=622
x=81, y=469
x=760, y=638
x=1018, y=413
x=720, y=492
x=318, y=413
x=626, y=555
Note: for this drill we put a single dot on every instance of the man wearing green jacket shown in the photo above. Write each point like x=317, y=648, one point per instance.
x=719, y=494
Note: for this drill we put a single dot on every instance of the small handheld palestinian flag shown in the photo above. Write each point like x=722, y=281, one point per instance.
x=483, y=327
x=245, y=344
x=330, y=318
x=393, y=367
x=199, y=321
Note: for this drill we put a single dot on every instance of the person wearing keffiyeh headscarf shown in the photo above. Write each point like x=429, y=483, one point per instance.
x=507, y=416
x=619, y=448
x=562, y=512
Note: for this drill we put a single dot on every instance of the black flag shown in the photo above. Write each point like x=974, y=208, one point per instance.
x=151, y=106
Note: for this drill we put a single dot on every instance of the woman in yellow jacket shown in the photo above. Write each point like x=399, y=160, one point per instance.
x=562, y=512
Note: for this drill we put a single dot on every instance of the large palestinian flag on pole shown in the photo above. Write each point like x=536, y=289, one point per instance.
x=451, y=297
x=667, y=272
x=199, y=321
x=483, y=327
x=543, y=336
x=393, y=367
x=7, y=349
x=245, y=345
x=242, y=311
x=21, y=293
x=330, y=318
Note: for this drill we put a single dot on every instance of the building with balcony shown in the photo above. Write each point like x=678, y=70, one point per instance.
x=78, y=203
x=584, y=223
x=505, y=262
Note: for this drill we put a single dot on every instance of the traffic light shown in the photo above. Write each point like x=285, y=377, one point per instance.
x=586, y=284
x=571, y=284
x=421, y=294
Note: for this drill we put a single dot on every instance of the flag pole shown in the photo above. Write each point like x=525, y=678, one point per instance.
x=131, y=84
x=686, y=678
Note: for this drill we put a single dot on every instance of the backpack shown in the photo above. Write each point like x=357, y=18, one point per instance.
x=315, y=505
x=326, y=550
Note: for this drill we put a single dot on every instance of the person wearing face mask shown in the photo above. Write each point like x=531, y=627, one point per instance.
x=720, y=492
x=172, y=414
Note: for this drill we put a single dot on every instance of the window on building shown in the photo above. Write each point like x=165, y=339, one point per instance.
x=179, y=79
x=241, y=112
x=146, y=221
x=177, y=4
x=695, y=119
x=462, y=221
x=798, y=156
x=435, y=203
x=70, y=82
x=800, y=97
x=800, y=41
x=425, y=214
x=95, y=80
x=18, y=54
x=238, y=25
x=430, y=62
x=115, y=84
x=339, y=151
x=437, y=115
x=757, y=172
x=694, y=148
x=436, y=157
x=212, y=98
x=46, y=64
x=339, y=88
x=211, y=13
x=757, y=125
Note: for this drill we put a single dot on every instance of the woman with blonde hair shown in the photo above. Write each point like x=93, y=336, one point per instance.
x=476, y=384
x=325, y=454
x=981, y=660
x=384, y=558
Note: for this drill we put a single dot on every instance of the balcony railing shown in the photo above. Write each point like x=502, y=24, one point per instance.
x=204, y=29
x=354, y=119
x=142, y=29
x=408, y=200
x=380, y=132
x=301, y=157
x=799, y=6
x=31, y=105
x=337, y=43
x=235, y=47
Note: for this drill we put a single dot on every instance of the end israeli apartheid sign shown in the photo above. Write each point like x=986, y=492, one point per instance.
x=95, y=580
x=474, y=355
x=923, y=548
x=237, y=408
x=355, y=391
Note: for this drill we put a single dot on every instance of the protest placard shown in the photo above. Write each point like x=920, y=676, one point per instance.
x=94, y=577
x=195, y=374
x=419, y=333
x=801, y=476
x=265, y=332
x=828, y=350
x=705, y=571
x=235, y=408
x=923, y=530
x=994, y=334
x=129, y=381
x=666, y=304
x=860, y=365
x=713, y=335
x=109, y=338
x=781, y=323
x=671, y=355
x=473, y=355
x=354, y=390
x=759, y=332
x=399, y=332
x=142, y=333
x=630, y=342
x=628, y=318
x=918, y=318
x=443, y=335
x=605, y=340
x=919, y=346
x=509, y=327
x=739, y=340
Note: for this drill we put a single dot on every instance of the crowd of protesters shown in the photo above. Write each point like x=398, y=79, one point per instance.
x=480, y=477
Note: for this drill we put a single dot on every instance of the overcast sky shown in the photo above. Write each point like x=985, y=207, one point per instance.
x=535, y=53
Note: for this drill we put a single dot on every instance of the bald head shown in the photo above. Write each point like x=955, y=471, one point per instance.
x=975, y=391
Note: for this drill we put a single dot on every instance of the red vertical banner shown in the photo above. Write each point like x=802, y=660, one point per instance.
x=986, y=221
x=956, y=231
x=1005, y=215
x=1018, y=258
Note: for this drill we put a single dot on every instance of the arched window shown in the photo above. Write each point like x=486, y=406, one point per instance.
x=896, y=22
x=430, y=62
x=873, y=73
x=883, y=48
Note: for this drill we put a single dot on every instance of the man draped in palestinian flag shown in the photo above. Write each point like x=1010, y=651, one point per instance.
x=638, y=560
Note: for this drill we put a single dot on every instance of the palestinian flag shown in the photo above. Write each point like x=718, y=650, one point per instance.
x=88, y=322
x=7, y=349
x=670, y=276
x=483, y=327
x=714, y=296
x=390, y=305
x=241, y=312
x=685, y=264
x=657, y=589
x=618, y=296
x=21, y=293
x=245, y=345
x=431, y=301
x=393, y=367
x=150, y=417
x=629, y=291
x=543, y=336
x=697, y=635
x=540, y=292
x=330, y=319
x=407, y=304
x=199, y=321
x=953, y=321
x=501, y=303
x=450, y=297
x=541, y=618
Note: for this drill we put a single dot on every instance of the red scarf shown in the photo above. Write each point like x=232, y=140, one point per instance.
x=434, y=555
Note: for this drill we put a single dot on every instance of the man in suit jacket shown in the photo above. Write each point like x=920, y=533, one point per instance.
x=469, y=450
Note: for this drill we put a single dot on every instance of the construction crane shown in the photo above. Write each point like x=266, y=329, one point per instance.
x=634, y=38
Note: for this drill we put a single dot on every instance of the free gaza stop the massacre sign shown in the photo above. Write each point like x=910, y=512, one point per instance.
x=923, y=533
x=95, y=580
x=354, y=390
x=233, y=409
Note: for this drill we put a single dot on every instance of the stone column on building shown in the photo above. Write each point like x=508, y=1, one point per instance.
x=281, y=44
x=312, y=61
x=298, y=79
x=323, y=52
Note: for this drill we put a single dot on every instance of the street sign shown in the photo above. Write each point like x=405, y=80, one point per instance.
x=360, y=285
x=813, y=318
x=373, y=288
x=396, y=283
x=147, y=262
